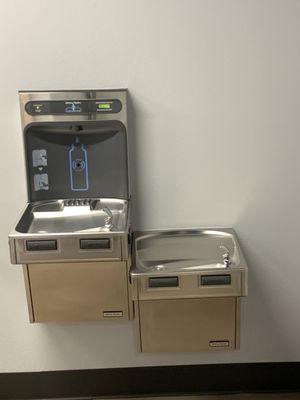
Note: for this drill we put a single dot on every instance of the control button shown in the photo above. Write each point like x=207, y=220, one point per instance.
x=95, y=244
x=41, y=245
x=162, y=282
x=212, y=280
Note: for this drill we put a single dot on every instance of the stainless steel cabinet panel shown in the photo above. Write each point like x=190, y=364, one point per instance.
x=172, y=325
x=90, y=291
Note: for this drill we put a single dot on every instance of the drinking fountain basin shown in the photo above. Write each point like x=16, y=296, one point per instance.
x=184, y=251
x=66, y=230
x=74, y=216
x=186, y=287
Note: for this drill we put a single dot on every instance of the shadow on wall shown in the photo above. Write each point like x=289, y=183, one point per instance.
x=133, y=170
x=267, y=233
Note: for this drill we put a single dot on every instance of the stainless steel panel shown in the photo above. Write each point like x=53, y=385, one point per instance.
x=184, y=325
x=129, y=289
x=120, y=94
x=184, y=251
x=66, y=292
x=74, y=251
x=199, y=313
x=189, y=287
x=238, y=323
x=68, y=249
x=104, y=218
x=101, y=216
x=189, y=254
x=26, y=96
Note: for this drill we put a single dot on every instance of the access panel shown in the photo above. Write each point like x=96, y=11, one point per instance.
x=178, y=325
x=84, y=291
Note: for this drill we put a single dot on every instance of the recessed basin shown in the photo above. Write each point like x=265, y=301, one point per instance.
x=66, y=216
x=185, y=251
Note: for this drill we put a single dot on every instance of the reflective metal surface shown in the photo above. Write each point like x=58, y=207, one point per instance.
x=72, y=237
x=73, y=216
x=81, y=291
x=186, y=288
x=26, y=96
x=67, y=225
x=188, y=325
x=183, y=251
x=53, y=230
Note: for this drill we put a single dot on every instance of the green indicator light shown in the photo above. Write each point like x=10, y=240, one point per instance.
x=104, y=106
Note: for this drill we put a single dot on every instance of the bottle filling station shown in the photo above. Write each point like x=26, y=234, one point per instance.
x=182, y=287
x=73, y=235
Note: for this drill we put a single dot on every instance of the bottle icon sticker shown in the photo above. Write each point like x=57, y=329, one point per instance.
x=78, y=163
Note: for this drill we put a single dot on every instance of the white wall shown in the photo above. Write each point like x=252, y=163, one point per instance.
x=215, y=91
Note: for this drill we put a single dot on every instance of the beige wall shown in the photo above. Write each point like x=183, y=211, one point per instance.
x=215, y=91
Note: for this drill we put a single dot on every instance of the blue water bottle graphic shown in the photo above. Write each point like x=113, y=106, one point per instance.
x=78, y=161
